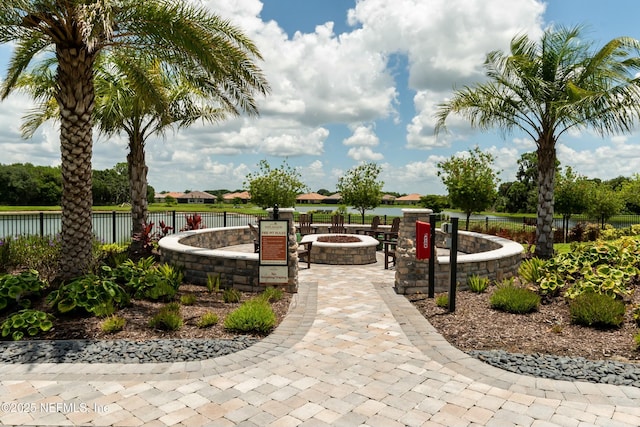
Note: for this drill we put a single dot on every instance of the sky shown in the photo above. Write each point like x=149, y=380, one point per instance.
x=357, y=81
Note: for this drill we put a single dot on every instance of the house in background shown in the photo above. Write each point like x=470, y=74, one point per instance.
x=310, y=198
x=409, y=199
x=242, y=197
x=334, y=199
x=388, y=199
x=196, y=198
x=162, y=197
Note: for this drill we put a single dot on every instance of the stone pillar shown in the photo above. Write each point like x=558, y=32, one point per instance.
x=412, y=275
x=287, y=213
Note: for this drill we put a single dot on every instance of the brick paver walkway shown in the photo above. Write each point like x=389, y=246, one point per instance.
x=350, y=353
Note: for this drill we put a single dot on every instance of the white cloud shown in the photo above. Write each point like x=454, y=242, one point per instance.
x=364, y=153
x=606, y=161
x=363, y=136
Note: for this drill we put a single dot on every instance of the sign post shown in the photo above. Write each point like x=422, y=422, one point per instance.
x=274, y=253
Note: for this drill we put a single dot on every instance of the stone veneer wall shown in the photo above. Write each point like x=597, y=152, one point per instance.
x=485, y=255
x=199, y=254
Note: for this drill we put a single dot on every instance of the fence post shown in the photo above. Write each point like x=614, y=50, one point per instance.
x=41, y=224
x=453, y=264
x=113, y=226
x=173, y=220
x=224, y=219
x=432, y=258
x=486, y=224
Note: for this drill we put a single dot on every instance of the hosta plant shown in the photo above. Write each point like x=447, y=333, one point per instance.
x=29, y=322
x=17, y=289
x=96, y=295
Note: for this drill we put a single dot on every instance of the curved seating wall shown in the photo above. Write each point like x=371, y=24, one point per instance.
x=483, y=255
x=198, y=253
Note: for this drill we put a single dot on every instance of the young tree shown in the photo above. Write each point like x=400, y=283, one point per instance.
x=604, y=202
x=279, y=186
x=470, y=180
x=571, y=196
x=545, y=88
x=360, y=187
x=76, y=31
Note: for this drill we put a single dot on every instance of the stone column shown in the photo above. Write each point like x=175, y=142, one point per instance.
x=412, y=275
x=287, y=213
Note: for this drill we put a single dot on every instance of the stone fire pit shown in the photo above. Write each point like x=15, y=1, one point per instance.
x=342, y=249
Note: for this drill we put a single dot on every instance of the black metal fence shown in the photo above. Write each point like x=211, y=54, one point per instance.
x=115, y=227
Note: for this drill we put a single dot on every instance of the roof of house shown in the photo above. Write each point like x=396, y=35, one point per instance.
x=196, y=195
x=336, y=196
x=173, y=194
x=311, y=196
x=240, y=195
x=413, y=197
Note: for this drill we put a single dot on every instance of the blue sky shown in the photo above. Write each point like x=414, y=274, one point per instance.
x=357, y=81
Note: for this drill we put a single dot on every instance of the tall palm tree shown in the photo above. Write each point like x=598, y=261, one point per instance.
x=177, y=33
x=546, y=88
x=138, y=96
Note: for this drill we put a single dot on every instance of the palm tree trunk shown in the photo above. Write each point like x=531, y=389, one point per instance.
x=546, y=183
x=138, y=182
x=76, y=100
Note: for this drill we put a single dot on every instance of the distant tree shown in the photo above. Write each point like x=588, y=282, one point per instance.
x=111, y=186
x=437, y=203
x=571, y=196
x=360, y=187
x=470, y=180
x=604, y=202
x=631, y=194
x=280, y=186
x=324, y=192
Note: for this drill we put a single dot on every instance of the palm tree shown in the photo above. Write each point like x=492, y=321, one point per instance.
x=546, y=88
x=184, y=36
x=139, y=96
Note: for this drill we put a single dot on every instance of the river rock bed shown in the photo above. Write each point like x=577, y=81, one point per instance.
x=562, y=367
x=120, y=351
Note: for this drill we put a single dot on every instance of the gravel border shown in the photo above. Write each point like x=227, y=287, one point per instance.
x=562, y=367
x=120, y=351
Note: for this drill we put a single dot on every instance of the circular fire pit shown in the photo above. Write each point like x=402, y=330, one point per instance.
x=342, y=249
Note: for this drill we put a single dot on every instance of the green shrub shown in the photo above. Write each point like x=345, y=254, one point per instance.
x=231, y=295
x=597, y=310
x=31, y=322
x=271, y=294
x=477, y=284
x=512, y=299
x=253, y=316
x=531, y=270
x=213, y=282
x=188, y=299
x=113, y=254
x=5, y=253
x=96, y=295
x=636, y=339
x=19, y=288
x=147, y=280
x=113, y=324
x=35, y=252
x=207, y=319
x=168, y=318
x=442, y=300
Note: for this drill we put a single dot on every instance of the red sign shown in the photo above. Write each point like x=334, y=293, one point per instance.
x=423, y=235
